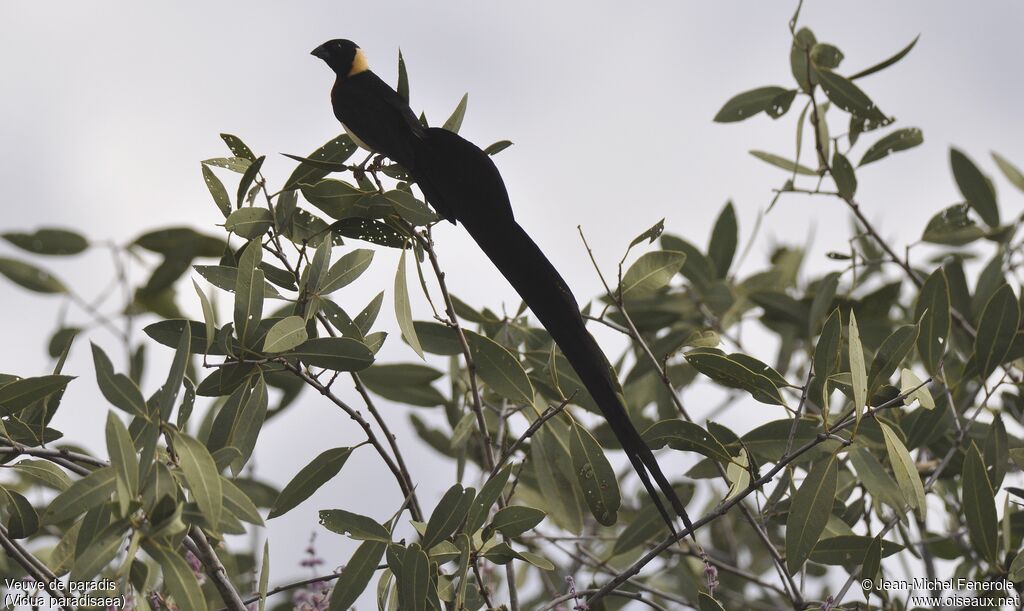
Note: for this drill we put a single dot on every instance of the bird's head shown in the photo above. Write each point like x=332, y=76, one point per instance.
x=343, y=56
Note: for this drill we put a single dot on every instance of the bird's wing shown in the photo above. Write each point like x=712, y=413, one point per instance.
x=377, y=115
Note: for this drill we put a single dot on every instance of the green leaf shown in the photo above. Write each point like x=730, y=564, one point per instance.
x=30, y=277
x=1010, y=171
x=407, y=383
x=824, y=55
x=201, y=475
x=906, y=473
x=179, y=579
x=209, y=317
x=650, y=272
x=224, y=277
x=996, y=330
x=102, y=549
x=217, y=190
x=20, y=394
x=497, y=147
x=337, y=353
x=933, y=314
x=308, y=480
x=890, y=355
x=706, y=602
x=514, y=520
x=346, y=269
x=286, y=334
x=908, y=382
x=803, y=42
x=403, y=308
x=848, y=96
x=181, y=241
x=247, y=179
x=979, y=506
x=499, y=368
x=899, y=140
x=354, y=526
x=842, y=172
x=238, y=503
x=483, y=502
x=724, y=238
x=369, y=230
x=975, y=187
x=782, y=162
x=726, y=370
x=48, y=241
x=882, y=487
x=595, y=475
x=413, y=580
x=845, y=550
x=356, y=575
x=409, y=208
x=650, y=235
x=644, y=527
x=168, y=393
x=1017, y=568
x=403, y=79
x=888, y=62
x=454, y=122
x=124, y=461
x=337, y=151
x=237, y=147
x=248, y=310
x=22, y=520
x=952, y=227
x=809, y=512
x=449, y=514
x=82, y=496
x=45, y=473
x=251, y=414
x=858, y=373
x=747, y=104
x=340, y=200
x=249, y=222
x=264, y=582
x=685, y=436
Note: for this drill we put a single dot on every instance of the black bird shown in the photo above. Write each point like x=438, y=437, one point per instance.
x=462, y=183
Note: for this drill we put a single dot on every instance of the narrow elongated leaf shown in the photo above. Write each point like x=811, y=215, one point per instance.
x=979, y=506
x=595, y=475
x=168, y=394
x=845, y=550
x=45, y=473
x=22, y=520
x=899, y=140
x=858, y=372
x=906, y=473
x=782, y=162
x=49, y=241
x=30, y=277
x=685, y=436
x=483, y=502
x=307, y=481
x=209, y=318
x=239, y=504
x=886, y=63
x=249, y=222
x=403, y=308
x=179, y=579
x=975, y=187
x=514, y=520
x=346, y=270
x=809, y=512
x=82, y=496
x=356, y=575
x=650, y=272
x=933, y=314
x=201, y=474
x=20, y=394
x=124, y=461
x=499, y=369
x=848, y=96
x=407, y=383
x=286, y=334
x=217, y=190
x=251, y=415
x=996, y=330
x=724, y=238
x=1010, y=171
x=449, y=514
x=337, y=151
x=952, y=226
x=726, y=370
x=354, y=526
x=337, y=353
x=98, y=554
x=248, y=310
x=454, y=122
x=747, y=104
x=890, y=355
x=650, y=235
x=845, y=177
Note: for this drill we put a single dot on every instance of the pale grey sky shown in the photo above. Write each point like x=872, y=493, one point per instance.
x=108, y=108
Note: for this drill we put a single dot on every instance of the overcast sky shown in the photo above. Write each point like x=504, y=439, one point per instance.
x=108, y=108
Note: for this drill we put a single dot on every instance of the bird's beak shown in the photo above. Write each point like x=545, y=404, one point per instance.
x=320, y=52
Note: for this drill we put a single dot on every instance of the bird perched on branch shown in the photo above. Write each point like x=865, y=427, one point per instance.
x=463, y=185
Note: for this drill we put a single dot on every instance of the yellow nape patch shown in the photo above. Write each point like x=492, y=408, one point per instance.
x=359, y=63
